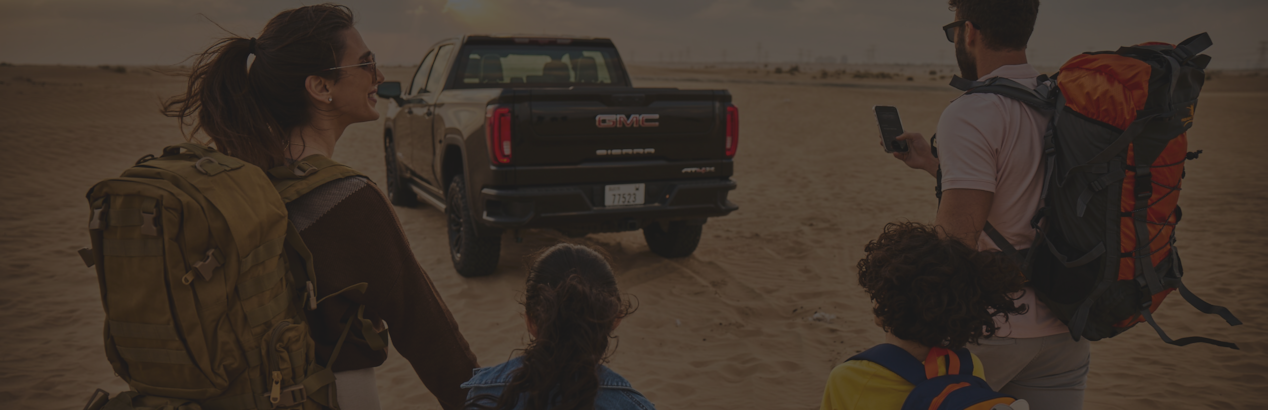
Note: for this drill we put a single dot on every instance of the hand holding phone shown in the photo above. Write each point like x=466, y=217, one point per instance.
x=891, y=127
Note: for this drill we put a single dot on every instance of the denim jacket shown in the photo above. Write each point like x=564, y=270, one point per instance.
x=615, y=393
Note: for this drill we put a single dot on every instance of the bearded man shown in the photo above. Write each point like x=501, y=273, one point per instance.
x=989, y=149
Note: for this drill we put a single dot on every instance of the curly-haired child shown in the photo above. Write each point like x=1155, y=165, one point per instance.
x=932, y=295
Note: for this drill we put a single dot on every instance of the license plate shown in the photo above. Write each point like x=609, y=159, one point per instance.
x=625, y=194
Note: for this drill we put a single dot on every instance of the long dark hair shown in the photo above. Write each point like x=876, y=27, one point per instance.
x=573, y=301
x=249, y=111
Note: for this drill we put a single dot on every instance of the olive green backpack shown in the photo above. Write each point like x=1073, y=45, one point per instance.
x=204, y=282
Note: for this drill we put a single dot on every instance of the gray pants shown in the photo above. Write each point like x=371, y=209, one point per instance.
x=1048, y=372
x=357, y=390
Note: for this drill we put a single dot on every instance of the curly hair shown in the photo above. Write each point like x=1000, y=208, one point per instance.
x=573, y=302
x=937, y=291
x=1005, y=24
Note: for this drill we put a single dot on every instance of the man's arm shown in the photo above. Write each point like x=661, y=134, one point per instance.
x=962, y=214
x=919, y=155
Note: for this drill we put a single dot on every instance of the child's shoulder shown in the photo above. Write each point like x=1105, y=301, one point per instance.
x=890, y=364
x=859, y=372
x=501, y=374
x=497, y=375
x=863, y=384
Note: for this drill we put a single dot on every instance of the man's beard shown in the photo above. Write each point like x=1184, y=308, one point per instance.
x=968, y=67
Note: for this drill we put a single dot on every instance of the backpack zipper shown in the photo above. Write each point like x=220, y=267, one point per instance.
x=275, y=393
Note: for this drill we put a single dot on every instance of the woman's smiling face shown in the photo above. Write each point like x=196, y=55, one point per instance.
x=353, y=95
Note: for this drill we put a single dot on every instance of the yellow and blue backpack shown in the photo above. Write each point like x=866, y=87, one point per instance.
x=958, y=389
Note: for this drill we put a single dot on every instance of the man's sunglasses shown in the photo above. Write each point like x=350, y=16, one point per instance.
x=950, y=29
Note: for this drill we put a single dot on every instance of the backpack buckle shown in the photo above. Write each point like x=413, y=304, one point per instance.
x=208, y=266
x=95, y=223
x=216, y=168
x=303, y=169
x=147, y=224
x=1039, y=215
x=312, y=295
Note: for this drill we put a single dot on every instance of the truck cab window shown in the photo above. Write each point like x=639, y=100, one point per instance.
x=437, y=78
x=537, y=66
x=420, y=76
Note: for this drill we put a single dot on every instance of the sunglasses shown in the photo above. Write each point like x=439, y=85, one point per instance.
x=370, y=66
x=951, y=29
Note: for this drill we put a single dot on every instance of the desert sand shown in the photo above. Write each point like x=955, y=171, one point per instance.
x=729, y=327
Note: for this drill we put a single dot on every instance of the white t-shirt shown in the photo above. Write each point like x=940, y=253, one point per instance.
x=993, y=143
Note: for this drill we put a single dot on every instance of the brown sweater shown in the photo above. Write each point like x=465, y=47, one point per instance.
x=355, y=237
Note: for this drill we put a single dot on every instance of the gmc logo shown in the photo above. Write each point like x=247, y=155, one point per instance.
x=621, y=121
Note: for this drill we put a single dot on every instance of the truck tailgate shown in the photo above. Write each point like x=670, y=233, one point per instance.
x=594, y=125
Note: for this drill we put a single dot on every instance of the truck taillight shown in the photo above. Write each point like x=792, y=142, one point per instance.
x=732, y=130
x=497, y=130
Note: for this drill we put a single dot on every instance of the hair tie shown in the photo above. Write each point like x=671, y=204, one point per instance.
x=251, y=47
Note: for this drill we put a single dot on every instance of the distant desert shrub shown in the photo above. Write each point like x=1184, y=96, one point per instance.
x=116, y=69
x=779, y=70
x=878, y=75
x=794, y=69
x=4, y=64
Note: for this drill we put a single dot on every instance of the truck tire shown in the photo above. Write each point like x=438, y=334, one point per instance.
x=398, y=190
x=679, y=241
x=474, y=251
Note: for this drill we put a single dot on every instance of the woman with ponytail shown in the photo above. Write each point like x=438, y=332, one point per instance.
x=286, y=96
x=571, y=307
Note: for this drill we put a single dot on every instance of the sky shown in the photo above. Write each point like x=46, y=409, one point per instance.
x=166, y=32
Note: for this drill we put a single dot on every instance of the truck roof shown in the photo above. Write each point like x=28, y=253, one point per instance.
x=534, y=39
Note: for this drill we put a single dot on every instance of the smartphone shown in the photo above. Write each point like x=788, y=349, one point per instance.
x=891, y=127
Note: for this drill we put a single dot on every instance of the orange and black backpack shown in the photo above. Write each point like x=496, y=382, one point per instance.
x=1104, y=255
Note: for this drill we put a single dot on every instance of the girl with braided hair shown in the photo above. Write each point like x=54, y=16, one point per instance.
x=571, y=307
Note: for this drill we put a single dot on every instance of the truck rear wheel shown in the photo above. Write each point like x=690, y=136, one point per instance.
x=398, y=190
x=679, y=241
x=474, y=251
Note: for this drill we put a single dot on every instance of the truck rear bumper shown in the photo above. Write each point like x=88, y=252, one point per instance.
x=581, y=207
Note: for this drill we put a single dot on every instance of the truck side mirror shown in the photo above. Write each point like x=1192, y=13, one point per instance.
x=391, y=89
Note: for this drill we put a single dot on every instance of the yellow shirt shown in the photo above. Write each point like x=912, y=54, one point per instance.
x=863, y=385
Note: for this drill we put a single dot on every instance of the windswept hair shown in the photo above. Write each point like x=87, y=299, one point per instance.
x=573, y=301
x=249, y=111
x=937, y=291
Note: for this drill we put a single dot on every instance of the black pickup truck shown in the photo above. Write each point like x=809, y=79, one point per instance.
x=516, y=132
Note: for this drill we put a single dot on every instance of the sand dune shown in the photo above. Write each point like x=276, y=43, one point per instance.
x=726, y=328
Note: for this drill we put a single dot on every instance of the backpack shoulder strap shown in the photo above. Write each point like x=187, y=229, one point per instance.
x=1192, y=46
x=965, y=359
x=1044, y=97
x=293, y=181
x=301, y=177
x=1038, y=98
x=896, y=360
